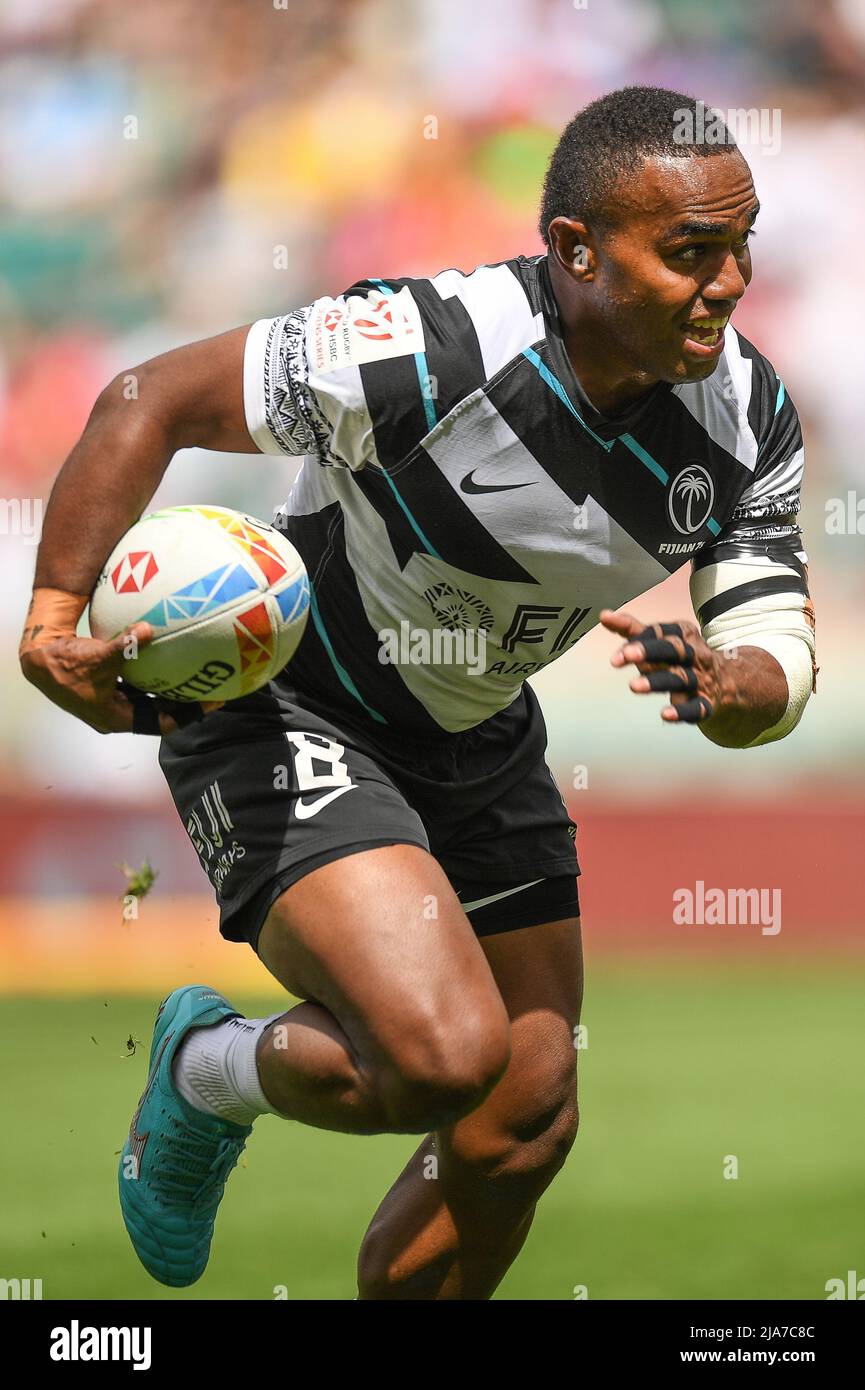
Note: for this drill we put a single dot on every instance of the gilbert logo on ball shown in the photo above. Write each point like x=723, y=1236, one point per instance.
x=227, y=596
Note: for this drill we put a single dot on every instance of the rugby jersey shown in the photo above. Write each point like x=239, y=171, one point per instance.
x=458, y=481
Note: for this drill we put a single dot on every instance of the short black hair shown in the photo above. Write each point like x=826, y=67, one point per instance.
x=610, y=138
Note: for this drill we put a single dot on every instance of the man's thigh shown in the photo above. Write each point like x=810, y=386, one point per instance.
x=380, y=940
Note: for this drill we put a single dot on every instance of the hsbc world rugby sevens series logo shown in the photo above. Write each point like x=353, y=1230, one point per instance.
x=690, y=499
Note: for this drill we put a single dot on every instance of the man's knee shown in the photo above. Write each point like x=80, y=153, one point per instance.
x=443, y=1068
x=515, y=1154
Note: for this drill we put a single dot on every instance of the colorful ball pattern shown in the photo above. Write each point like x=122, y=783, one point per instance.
x=226, y=594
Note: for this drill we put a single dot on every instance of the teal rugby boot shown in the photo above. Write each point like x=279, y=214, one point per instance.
x=176, y=1159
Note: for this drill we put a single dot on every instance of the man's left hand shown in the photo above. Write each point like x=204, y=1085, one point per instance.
x=672, y=658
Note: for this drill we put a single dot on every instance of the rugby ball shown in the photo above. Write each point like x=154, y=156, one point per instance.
x=226, y=595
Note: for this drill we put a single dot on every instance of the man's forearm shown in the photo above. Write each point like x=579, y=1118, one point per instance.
x=102, y=488
x=189, y=397
x=756, y=697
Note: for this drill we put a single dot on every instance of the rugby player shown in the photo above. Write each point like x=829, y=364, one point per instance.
x=510, y=454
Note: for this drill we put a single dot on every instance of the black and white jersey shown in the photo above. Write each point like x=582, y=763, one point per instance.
x=465, y=513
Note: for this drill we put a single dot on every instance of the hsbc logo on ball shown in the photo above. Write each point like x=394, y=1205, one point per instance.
x=134, y=571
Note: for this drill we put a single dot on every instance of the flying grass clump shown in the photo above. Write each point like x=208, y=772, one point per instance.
x=138, y=884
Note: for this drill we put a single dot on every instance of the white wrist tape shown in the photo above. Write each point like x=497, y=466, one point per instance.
x=793, y=648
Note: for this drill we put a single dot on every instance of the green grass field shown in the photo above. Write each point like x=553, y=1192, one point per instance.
x=685, y=1064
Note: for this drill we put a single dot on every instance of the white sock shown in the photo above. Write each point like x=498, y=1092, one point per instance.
x=215, y=1069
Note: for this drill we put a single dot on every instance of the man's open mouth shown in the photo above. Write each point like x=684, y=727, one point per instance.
x=708, y=332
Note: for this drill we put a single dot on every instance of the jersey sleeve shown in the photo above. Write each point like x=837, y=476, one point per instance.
x=750, y=586
x=316, y=380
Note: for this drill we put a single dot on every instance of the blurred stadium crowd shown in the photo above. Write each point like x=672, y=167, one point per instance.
x=172, y=169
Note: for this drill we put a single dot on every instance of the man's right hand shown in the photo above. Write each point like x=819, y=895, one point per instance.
x=80, y=675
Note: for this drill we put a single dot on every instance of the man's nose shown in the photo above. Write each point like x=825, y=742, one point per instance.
x=728, y=285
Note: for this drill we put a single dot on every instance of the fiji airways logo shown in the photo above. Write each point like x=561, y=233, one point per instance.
x=690, y=499
x=134, y=571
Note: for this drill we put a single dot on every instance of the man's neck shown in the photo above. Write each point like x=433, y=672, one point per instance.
x=609, y=397
x=609, y=386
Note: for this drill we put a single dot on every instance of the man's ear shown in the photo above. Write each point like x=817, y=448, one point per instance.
x=572, y=245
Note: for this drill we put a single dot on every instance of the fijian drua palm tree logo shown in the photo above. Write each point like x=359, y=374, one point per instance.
x=690, y=500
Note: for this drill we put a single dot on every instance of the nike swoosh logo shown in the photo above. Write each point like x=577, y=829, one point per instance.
x=137, y=1142
x=304, y=809
x=467, y=485
x=484, y=902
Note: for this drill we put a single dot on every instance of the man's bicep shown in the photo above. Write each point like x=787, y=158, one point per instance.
x=245, y=391
x=297, y=384
x=197, y=391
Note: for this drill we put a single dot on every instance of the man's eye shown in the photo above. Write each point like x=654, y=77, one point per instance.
x=689, y=254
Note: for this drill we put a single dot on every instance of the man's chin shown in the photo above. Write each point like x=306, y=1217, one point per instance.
x=689, y=370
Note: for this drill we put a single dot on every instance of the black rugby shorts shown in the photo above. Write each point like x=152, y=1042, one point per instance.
x=275, y=785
